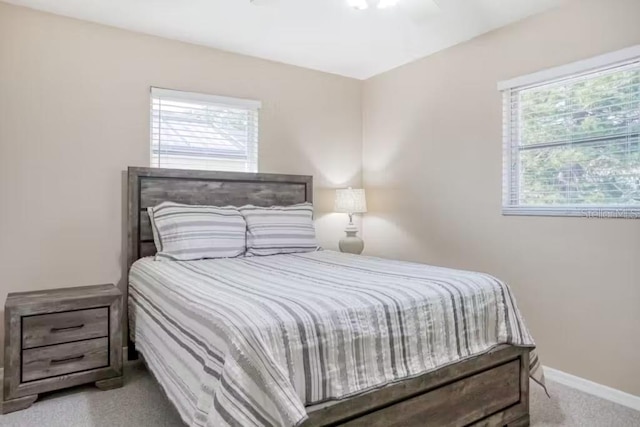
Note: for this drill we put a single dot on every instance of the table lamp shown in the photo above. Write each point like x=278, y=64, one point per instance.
x=351, y=201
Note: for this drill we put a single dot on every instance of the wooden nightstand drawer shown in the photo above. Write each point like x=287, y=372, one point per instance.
x=57, y=328
x=58, y=338
x=63, y=359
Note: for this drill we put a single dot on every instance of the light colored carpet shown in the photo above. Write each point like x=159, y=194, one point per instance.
x=141, y=403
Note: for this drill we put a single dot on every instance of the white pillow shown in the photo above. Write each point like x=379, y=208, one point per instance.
x=191, y=232
x=280, y=229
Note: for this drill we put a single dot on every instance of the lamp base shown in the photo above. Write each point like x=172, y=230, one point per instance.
x=351, y=243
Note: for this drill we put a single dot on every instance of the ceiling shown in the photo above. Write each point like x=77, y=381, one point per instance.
x=325, y=35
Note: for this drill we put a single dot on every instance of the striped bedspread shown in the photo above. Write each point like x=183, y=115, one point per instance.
x=252, y=341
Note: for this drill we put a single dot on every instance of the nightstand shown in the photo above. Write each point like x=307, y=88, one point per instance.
x=60, y=338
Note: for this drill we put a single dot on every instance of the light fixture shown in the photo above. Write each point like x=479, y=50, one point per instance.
x=351, y=201
x=373, y=4
x=383, y=4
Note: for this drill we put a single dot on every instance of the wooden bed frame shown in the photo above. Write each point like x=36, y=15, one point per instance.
x=486, y=390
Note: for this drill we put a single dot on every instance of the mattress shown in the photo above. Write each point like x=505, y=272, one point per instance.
x=252, y=341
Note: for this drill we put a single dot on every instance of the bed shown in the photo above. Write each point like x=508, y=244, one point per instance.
x=320, y=338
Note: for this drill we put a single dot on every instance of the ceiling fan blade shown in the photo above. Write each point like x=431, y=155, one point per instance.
x=420, y=11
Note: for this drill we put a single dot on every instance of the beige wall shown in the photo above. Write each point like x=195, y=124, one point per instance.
x=74, y=113
x=432, y=168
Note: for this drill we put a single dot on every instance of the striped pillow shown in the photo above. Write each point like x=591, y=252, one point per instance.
x=280, y=229
x=190, y=232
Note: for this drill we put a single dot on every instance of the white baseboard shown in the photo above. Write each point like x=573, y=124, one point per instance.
x=595, y=389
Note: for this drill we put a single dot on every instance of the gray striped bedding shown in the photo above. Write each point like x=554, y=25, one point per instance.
x=251, y=341
x=280, y=229
x=191, y=232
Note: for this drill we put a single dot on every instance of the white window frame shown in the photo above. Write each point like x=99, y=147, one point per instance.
x=509, y=192
x=248, y=104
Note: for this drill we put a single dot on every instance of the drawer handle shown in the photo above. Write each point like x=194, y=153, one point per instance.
x=66, y=359
x=68, y=328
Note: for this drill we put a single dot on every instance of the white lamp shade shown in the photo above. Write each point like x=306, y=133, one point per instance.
x=350, y=200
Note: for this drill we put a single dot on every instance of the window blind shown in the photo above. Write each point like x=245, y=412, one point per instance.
x=572, y=144
x=198, y=131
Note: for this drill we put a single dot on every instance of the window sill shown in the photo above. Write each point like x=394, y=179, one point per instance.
x=604, y=212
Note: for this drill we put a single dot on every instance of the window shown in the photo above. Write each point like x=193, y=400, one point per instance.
x=571, y=139
x=196, y=131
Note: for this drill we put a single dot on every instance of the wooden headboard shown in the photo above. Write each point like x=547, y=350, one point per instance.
x=151, y=186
